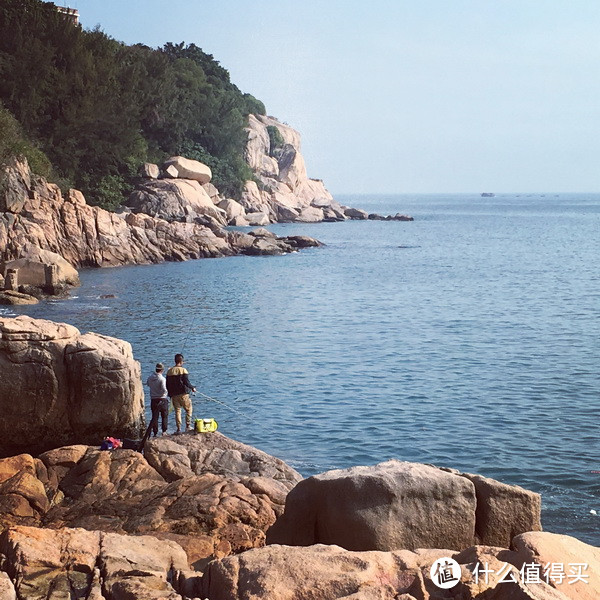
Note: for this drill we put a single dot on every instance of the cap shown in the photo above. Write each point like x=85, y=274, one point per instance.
x=160, y=367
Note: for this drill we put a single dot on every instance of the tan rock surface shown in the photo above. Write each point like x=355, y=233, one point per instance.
x=74, y=563
x=389, y=506
x=397, y=505
x=232, y=208
x=12, y=298
x=174, y=199
x=283, y=175
x=207, y=493
x=32, y=263
x=42, y=564
x=566, y=553
x=504, y=511
x=189, y=169
x=36, y=216
x=286, y=192
x=73, y=387
x=331, y=573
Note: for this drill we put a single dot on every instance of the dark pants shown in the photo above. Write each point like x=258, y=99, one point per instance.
x=159, y=406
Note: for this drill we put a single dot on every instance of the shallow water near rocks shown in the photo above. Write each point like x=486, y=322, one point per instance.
x=468, y=338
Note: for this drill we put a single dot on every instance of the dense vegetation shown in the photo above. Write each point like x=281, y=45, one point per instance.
x=99, y=108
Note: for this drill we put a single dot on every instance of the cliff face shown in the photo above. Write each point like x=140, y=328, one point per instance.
x=284, y=192
x=34, y=214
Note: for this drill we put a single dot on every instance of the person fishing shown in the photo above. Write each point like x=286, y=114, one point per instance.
x=179, y=386
x=159, y=400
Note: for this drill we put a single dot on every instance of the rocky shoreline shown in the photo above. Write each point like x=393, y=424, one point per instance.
x=205, y=516
x=174, y=214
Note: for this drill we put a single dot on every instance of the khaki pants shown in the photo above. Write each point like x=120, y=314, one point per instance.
x=179, y=402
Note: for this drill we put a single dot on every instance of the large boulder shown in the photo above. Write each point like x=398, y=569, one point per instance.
x=61, y=387
x=232, y=209
x=389, y=506
x=356, y=213
x=189, y=169
x=503, y=511
x=175, y=200
x=149, y=171
x=310, y=214
x=401, y=505
x=257, y=218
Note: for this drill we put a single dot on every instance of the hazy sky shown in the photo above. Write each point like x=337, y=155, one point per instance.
x=405, y=95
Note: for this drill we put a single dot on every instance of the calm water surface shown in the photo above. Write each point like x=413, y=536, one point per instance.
x=468, y=338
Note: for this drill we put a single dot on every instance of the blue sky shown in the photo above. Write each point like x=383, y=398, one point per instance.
x=406, y=95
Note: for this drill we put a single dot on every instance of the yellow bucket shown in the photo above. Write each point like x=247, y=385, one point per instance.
x=205, y=425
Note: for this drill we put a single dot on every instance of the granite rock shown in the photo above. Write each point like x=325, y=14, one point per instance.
x=73, y=387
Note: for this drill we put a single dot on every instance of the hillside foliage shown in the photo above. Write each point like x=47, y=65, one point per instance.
x=99, y=108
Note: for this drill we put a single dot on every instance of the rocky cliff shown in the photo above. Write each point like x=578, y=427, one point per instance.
x=34, y=215
x=281, y=190
x=284, y=191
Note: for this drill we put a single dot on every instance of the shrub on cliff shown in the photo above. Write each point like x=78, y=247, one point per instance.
x=100, y=108
x=13, y=143
x=276, y=140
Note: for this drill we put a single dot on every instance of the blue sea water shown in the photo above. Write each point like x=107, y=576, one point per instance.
x=468, y=338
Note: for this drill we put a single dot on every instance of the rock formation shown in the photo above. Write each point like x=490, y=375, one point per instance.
x=282, y=191
x=37, y=217
x=400, y=505
x=187, y=520
x=285, y=192
x=45, y=564
x=59, y=386
x=179, y=166
x=329, y=572
x=176, y=200
x=210, y=494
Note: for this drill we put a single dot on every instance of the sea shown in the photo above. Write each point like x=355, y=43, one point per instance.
x=469, y=338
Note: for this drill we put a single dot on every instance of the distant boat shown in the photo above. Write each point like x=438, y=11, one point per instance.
x=487, y=195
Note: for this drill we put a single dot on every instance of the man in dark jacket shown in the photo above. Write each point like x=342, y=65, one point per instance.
x=179, y=386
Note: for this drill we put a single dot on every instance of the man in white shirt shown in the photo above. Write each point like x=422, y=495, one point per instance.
x=159, y=399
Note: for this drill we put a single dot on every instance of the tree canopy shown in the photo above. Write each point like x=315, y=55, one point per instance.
x=99, y=108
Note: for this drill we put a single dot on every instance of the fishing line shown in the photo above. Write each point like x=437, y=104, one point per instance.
x=222, y=403
x=189, y=333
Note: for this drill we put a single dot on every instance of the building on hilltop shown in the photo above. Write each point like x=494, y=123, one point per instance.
x=70, y=13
